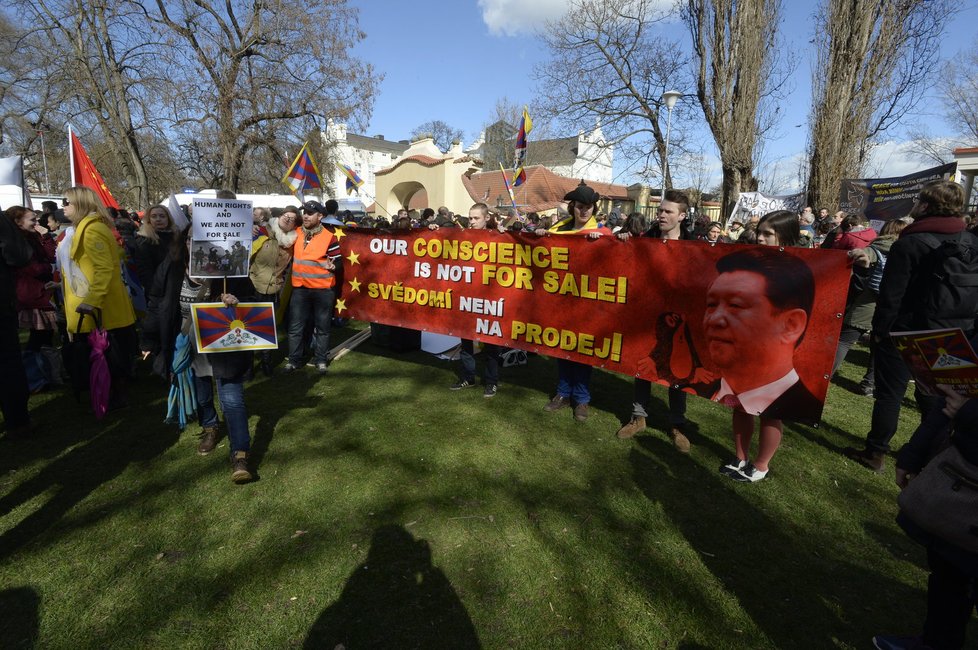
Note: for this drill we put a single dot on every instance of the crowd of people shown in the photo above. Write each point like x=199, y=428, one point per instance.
x=67, y=271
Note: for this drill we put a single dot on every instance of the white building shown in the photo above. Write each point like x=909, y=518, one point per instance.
x=585, y=156
x=365, y=155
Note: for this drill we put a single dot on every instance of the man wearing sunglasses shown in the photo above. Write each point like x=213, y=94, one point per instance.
x=313, y=280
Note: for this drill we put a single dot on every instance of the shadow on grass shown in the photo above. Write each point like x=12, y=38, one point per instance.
x=397, y=597
x=272, y=399
x=797, y=586
x=20, y=618
x=73, y=476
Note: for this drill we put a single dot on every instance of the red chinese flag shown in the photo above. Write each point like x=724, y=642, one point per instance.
x=84, y=173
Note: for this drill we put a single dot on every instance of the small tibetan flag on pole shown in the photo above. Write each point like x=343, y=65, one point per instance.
x=509, y=188
x=303, y=174
x=353, y=180
x=526, y=125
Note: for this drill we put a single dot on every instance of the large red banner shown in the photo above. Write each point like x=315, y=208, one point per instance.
x=759, y=323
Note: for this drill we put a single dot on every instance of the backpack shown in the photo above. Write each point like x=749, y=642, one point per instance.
x=876, y=275
x=949, y=276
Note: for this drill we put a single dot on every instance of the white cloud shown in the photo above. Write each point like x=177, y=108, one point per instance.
x=515, y=17
x=892, y=158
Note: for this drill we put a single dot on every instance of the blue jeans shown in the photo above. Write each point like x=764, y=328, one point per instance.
x=317, y=305
x=468, y=362
x=574, y=381
x=231, y=394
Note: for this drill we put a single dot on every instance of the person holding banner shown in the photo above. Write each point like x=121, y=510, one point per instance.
x=756, y=315
x=479, y=220
x=271, y=257
x=573, y=378
x=168, y=314
x=670, y=224
x=313, y=280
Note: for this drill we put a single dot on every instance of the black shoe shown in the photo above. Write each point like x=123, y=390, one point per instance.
x=461, y=383
x=490, y=391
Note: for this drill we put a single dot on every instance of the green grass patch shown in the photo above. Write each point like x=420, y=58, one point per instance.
x=392, y=512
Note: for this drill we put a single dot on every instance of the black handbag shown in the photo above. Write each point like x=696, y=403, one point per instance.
x=943, y=499
x=76, y=356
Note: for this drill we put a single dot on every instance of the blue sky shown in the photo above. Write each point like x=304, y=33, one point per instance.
x=451, y=60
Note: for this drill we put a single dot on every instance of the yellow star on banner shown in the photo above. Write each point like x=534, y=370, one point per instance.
x=339, y=234
x=354, y=285
x=340, y=305
x=353, y=258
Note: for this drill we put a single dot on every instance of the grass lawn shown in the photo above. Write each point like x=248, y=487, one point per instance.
x=391, y=512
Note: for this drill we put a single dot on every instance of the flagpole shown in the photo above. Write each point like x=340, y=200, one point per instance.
x=509, y=188
x=71, y=159
x=44, y=159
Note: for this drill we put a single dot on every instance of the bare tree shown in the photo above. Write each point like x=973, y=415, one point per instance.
x=959, y=89
x=876, y=58
x=608, y=67
x=737, y=68
x=254, y=71
x=442, y=133
x=108, y=75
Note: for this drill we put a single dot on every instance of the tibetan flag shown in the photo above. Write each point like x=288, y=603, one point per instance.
x=246, y=326
x=303, y=174
x=83, y=172
x=353, y=180
x=512, y=197
x=526, y=125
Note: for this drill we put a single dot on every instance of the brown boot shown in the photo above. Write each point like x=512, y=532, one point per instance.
x=874, y=460
x=208, y=440
x=581, y=412
x=239, y=467
x=558, y=402
x=634, y=426
x=679, y=440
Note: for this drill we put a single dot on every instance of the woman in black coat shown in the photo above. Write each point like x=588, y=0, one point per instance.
x=171, y=293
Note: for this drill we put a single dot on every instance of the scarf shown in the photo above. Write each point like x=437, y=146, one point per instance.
x=940, y=224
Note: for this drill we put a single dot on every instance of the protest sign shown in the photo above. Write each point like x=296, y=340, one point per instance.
x=221, y=238
x=246, y=326
x=754, y=203
x=641, y=308
x=939, y=357
x=885, y=199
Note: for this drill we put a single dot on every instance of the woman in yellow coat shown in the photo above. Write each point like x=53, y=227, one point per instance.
x=90, y=258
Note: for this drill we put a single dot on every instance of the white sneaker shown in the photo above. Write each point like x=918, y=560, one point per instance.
x=749, y=474
x=732, y=466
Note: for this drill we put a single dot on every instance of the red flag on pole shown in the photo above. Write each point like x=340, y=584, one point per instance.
x=83, y=172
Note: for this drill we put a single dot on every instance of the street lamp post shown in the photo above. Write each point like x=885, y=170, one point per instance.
x=669, y=99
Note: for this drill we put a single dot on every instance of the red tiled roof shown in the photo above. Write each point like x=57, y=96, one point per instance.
x=543, y=189
x=427, y=161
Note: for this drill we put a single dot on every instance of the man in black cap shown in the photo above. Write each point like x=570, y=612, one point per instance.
x=313, y=281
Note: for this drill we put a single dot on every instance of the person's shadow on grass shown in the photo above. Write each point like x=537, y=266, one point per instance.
x=799, y=585
x=72, y=477
x=19, y=618
x=395, y=599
